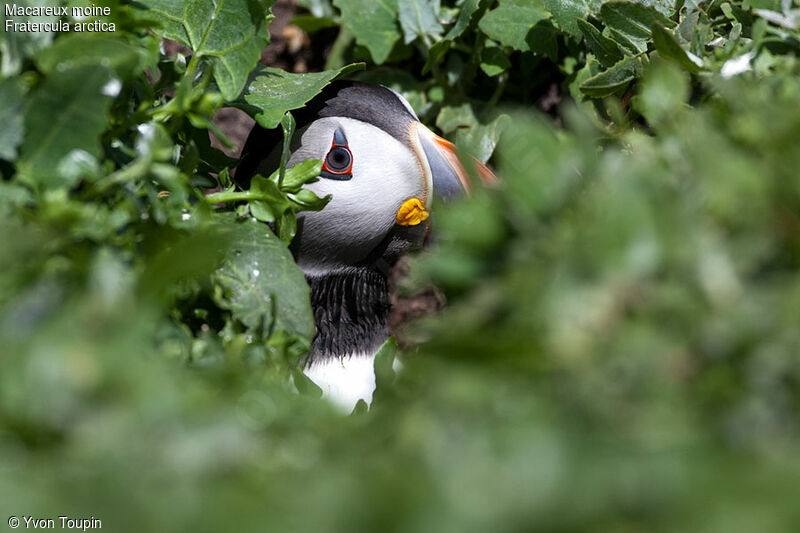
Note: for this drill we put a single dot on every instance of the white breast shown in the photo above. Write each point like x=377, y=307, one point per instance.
x=345, y=380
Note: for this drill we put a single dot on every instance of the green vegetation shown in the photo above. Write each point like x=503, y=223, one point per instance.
x=620, y=350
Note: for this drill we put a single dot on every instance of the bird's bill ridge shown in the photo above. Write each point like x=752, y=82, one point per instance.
x=442, y=164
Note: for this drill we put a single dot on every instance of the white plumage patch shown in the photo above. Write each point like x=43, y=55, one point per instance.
x=362, y=211
x=345, y=380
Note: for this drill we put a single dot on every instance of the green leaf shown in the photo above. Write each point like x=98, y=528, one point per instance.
x=287, y=227
x=451, y=118
x=79, y=49
x=298, y=175
x=511, y=22
x=632, y=19
x=627, y=45
x=468, y=9
x=311, y=24
x=494, y=61
x=11, y=118
x=272, y=203
x=304, y=385
x=68, y=112
x=481, y=140
x=306, y=200
x=418, y=20
x=477, y=138
x=271, y=92
x=566, y=14
x=605, y=49
x=229, y=34
x=669, y=49
x=384, y=364
x=662, y=92
x=612, y=80
x=260, y=283
x=374, y=24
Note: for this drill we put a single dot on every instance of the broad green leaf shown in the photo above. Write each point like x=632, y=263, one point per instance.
x=67, y=112
x=261, y=284
x=451, y=118
x=481, y=140
x=663, y=90
x=468, y=9
x=511, y=22
x=374, y=24
x=477, y=138
x=566, y=14
x=610, y=81
x=627, y=45
x=308, y=201
x=418, y=20
x=230, y=34
x=271, y=92
x=494, y=61
x=669, y=49
x=604, y=49
x=11, y=118
x=298, y=175
x=543, y=40
x=632, y=19
x=79, y=49
x=311, y=24
x=272, y=204
x=304, y=385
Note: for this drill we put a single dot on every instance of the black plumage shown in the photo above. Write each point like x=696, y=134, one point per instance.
x=351, y=311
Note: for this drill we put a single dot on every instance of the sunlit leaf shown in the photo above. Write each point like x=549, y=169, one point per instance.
x=230, y=34
x=418, y=20
x=374, y=23
x=261, y=284
x=270, y=92
x=512, y=21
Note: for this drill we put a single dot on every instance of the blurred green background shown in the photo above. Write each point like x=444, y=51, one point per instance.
x=620, y=349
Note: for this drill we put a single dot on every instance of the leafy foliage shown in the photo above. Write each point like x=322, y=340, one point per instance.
x=619, y=349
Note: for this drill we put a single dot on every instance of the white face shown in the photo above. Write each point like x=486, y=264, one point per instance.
x=385, y=173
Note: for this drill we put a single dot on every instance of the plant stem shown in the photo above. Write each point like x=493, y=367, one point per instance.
x=498, y=91
x=234, y=196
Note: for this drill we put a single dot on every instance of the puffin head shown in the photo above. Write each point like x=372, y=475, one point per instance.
x=382, y=167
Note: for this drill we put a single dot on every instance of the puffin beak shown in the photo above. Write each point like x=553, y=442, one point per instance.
x=442, y=164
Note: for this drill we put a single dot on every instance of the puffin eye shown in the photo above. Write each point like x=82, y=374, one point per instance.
x=338, y=159
x=338, y=164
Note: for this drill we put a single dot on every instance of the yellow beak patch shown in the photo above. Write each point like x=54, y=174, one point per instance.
x=411, y=213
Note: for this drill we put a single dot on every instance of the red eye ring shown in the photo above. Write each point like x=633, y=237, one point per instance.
x=339, y=160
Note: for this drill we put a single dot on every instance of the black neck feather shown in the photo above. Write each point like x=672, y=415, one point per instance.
x=351, y=311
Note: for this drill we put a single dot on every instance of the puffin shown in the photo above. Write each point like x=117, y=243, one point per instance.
x=382, y=167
